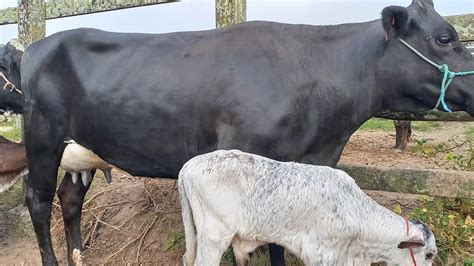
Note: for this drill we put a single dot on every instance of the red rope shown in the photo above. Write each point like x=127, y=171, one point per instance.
x=407, y=223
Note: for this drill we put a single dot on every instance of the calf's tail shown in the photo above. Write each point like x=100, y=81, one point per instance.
x=188, y=222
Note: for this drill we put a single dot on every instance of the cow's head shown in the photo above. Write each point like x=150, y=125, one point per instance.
x=411, y=83
x=10, y=59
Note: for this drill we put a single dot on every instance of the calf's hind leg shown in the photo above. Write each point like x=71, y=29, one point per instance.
x=71, y=197
x=209, y=251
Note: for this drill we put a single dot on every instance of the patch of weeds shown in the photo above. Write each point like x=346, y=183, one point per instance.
x=461, y=161
x=175, y=241
x=13, y=196
x=11, y=129
x=451, y=220
x=228, y=257
x=465, y=160
x=387, y=125
x=423, y=147
x=261, y=257
x=470, y=133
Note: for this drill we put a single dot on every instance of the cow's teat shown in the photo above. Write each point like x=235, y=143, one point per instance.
x=78, y=160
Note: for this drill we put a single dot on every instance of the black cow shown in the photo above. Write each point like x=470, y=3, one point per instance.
x=10, y=59
x=148, y=103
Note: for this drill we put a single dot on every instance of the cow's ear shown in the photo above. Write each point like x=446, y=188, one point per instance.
x=395, y=21
x=422, y=3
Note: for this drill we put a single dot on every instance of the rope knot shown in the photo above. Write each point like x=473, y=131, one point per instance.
x=8, y=84
x=443, y=68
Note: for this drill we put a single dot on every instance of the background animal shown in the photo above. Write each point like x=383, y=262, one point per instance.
x=12, y=164
x=316, y=212
x=10, y=61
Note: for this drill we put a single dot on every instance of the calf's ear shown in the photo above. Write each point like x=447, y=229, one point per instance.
x=394, y=21
x=415, y=239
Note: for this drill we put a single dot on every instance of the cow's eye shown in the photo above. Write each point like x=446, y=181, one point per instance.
x=445, y=39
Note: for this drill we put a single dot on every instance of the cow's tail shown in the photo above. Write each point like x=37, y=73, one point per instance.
x=188, y=222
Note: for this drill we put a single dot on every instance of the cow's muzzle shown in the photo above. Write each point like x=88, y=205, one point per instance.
x=448, y=75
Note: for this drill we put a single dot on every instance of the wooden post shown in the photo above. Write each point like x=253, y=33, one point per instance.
x=229, y=12
x=31, y=21
x=31, y=28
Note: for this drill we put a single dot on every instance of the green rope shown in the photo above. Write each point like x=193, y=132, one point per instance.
x=448, y=75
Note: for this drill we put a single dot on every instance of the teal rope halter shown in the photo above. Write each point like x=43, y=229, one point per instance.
x=448, y=75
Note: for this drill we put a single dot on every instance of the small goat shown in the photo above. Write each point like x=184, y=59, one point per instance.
x=316, y=212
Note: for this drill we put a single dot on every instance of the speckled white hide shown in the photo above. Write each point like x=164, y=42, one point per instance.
x=316, y=212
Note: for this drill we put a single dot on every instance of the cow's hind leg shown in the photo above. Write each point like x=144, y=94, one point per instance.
x=277, y=255
x=71, y=197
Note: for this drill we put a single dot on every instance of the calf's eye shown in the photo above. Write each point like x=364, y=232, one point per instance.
x=429, y=255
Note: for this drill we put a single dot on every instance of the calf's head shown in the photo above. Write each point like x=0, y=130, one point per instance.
x=10, y=60
x=409, y=82
x=417, y=248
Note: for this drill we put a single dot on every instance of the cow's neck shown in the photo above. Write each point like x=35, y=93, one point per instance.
x=345, y=63
x=348, y=54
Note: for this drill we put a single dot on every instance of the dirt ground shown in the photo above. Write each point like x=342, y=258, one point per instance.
x=138, y=220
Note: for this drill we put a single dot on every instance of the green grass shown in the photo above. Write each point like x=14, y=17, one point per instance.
x=13, y=196
x=175, y=241
x=387, y=125
x=12, y=129
x=425, y=125
x=470, y=133
x=377, y=124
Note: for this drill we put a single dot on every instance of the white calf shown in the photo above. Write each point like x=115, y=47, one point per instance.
x=316, y=212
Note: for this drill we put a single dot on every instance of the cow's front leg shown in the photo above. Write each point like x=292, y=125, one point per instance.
x=71, y=197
